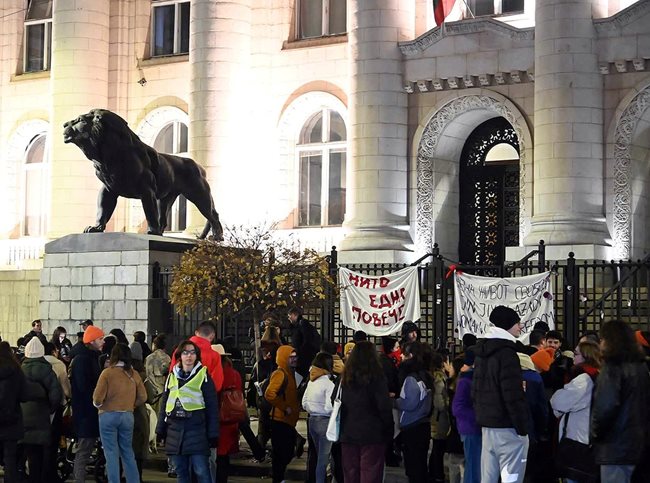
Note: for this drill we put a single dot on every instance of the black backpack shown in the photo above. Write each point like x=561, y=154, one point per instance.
x=263, y=404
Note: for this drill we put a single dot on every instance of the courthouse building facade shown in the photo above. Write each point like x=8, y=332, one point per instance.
x=356, y=123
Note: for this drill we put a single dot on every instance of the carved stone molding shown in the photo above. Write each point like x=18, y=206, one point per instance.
x=469, y=81
x=464, y=27
x=431, y=136
x=623, y=137
x=622, y=18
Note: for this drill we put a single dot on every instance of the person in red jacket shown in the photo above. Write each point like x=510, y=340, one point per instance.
x=203, y=337
x=229, y=431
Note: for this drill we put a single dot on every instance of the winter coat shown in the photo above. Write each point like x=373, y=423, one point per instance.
x=306, y=340
x=141, y=421
x=574, y=401
x=84, y=373
x=280, y=399
x=229, y=432
x=210, y=359
x=61, y=371
x=415, y=401
x=36, y=413
x=462, y=407
x=318, y=392
x=440, y=423
x=157, y=368
x=13, y=390
x=620, y=413
x=187, y=436
x=366, y=413
x=537, y=404
x=497, y=389
x=390, y=371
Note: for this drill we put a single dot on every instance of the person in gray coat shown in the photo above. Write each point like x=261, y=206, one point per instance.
x=36, y=413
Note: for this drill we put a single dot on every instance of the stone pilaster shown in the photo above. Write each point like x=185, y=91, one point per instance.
x=568, y=173
x=79, y=81
x=376, y=211
x=219, y=62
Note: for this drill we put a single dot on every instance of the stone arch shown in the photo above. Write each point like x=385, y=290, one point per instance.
x=158, y=118
x=620, y=198
x=437, y=144
x=291, y=121
x=17, y=144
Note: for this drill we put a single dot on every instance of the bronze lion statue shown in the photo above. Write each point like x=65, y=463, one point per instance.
x=128, y=167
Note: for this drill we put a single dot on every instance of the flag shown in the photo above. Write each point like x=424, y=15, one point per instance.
x=441, y=9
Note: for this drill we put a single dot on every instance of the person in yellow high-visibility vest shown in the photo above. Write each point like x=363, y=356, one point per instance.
x=189, y=415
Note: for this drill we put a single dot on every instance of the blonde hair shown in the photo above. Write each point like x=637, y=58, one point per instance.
x=590, y=352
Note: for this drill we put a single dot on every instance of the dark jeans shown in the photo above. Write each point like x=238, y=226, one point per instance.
x=36, y=457
x=312, y=457
x=436, y=460
x=263, y=426
x=416, y=446
x=256, y=448
x=337, y=463
x=223, y=468
x=363, y=463
x=283, y=441
x=10, y=455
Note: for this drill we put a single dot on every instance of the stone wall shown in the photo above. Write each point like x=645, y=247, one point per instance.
x=18, y=302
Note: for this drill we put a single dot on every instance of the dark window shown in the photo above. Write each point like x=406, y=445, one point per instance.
x=319, y=18
x=171, y=28
x=38, y=36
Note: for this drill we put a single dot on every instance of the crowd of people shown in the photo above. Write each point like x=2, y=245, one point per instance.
x=505, y=408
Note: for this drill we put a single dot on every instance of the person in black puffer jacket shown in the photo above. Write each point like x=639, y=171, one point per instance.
x=499, y=399
x=36, y=413
x=619, y=413
x=189, y=415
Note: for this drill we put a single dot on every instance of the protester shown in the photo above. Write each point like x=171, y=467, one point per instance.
x=37, y=331
x=228, y=431
x=304, y=338
x=156, y=368
x=315, y=402
x=410, y=333
x=338, y=366
x=366, y=424
x=262, y=371
x=454, y=459
x=619, y=411
x=390, y=357
x=203, y=337
x=440, y=420
x=14, y=388
x=331, y=348
x=282, y=394
x=141, y=338
x=62, y=345
x=60, y=370
x=119, y=390
x=189, y=416
x=414, y=404
x=140, y=413
x=499, y=399
x=463, y=411
x=347, y=350
x=84, y=373
x=109, y=342
x=36, y=413
x=469, y=340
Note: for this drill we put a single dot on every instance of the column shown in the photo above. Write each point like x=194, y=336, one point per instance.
x=219, y=62
x=79, y=80
x=376, y=210
x=568, y=174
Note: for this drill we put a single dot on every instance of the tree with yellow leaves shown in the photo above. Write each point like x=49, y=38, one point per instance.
x=251, y=271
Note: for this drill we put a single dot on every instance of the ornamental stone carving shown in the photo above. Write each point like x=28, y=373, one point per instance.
x=431, y=136
x=623, y=136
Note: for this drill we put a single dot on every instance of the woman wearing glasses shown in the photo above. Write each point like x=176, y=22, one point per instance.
x=189, y=415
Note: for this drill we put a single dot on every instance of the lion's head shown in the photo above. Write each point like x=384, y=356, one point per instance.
x=88, y=130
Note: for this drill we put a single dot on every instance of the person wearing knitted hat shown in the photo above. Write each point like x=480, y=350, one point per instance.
x=543, y=359
x=499, y=399
x=36, y=413
x=84, y=373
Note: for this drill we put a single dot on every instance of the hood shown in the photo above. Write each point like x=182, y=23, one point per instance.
x=487, y=347
x=498, y=333
x=282, y=356
x=202, y=344
x=526, y=362
x=316, y=372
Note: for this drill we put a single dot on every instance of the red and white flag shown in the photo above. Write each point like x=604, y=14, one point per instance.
x=441, y=9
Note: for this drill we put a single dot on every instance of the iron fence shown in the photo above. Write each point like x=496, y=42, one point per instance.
x=585, y=293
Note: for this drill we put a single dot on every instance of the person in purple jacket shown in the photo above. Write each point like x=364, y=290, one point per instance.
x=463, y=410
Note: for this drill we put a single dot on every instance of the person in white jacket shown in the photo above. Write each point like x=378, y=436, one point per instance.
x=317, y=402
x=574, y=400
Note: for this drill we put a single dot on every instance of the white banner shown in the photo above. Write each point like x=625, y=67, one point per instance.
x=379, y=305
x=475, y=297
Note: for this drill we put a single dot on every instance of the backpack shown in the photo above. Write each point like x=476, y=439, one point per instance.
x=263, y=404
x=232, y=407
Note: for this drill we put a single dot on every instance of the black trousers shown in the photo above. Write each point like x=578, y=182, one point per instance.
x=312, y=457
x=283, y=440
x=337, y=462
x=256, y=448
x=38, y=460
x=416, y=446
x=10, y=459
x=436, y=459
x=223, y=468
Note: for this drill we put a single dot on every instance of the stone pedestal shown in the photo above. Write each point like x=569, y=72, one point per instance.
x=106, y=277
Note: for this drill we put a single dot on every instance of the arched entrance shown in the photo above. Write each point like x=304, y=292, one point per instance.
x=488, y=210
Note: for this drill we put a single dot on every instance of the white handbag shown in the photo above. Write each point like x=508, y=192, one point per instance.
x=334, y=424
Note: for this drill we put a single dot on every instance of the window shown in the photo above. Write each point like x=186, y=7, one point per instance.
x=172, y=139
x=35, y=185
x=495, y=7
x=322, y=160
x=319, y=18
x=170, y=28
x=38, y=36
